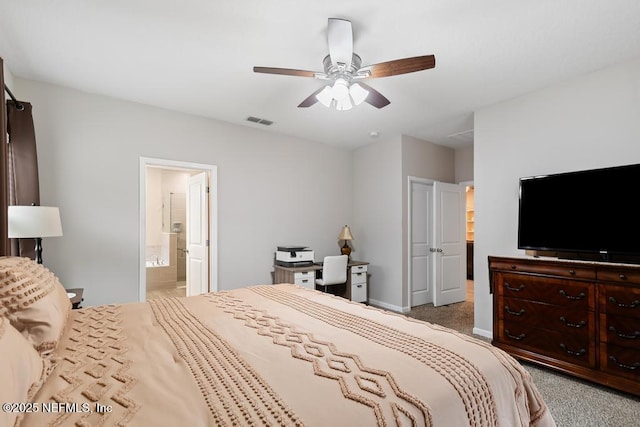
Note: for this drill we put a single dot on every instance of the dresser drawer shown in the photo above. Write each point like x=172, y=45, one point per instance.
x=620, y=361
x=359, y=292
x=358, y=278
x=305, y=278
x=566, y=347
x=619, y=275
x=548, y=269
x=580, y=323
x=359, y=269
x=620, y=330
x=570, y=294
x=620, y=300
x=304, y=275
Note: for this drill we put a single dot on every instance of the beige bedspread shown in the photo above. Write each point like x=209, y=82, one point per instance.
x=274, y=355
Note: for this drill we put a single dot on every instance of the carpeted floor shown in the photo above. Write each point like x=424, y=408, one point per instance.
x=572, y=402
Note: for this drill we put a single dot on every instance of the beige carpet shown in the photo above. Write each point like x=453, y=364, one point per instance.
x=455, y=316
x=572, y=402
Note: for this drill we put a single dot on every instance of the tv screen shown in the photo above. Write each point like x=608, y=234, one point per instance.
x=592, y=211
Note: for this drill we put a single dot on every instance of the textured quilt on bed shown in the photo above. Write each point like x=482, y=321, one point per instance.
x=276, y=355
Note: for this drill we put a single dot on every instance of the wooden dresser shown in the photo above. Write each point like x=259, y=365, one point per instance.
x=582, y=318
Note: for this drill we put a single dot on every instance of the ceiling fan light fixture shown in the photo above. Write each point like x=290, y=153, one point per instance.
x=341, y=96
x=325, y=96
x=342, y=66
x=358, y=93
x=340, y=89
x=343, y=104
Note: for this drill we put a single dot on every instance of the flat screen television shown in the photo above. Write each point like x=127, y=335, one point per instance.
x=590, y=214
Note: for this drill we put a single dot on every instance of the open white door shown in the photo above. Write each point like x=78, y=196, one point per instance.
x=450, y=283
x=421, y=235
x=197, y=235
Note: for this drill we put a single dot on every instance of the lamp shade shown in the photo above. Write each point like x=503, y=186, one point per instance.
x=345, y=234
x=358, y=93
x=342, y=95
x=34, y=222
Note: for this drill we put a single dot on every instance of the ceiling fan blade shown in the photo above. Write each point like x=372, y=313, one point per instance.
x=311, y=99
x=375, y=98
x=340, y=40
x=284, y=71
x=401, y=66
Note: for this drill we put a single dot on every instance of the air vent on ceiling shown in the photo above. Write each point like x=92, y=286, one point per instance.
x=259, y=120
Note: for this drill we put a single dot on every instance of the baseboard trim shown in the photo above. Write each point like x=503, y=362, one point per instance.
x=483, y=333
x=387, y=306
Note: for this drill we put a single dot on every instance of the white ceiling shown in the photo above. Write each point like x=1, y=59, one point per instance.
x=196, y=56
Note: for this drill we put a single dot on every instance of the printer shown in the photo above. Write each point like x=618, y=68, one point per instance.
x=294, y=256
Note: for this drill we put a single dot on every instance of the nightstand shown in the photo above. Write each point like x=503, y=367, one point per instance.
x=77, y=299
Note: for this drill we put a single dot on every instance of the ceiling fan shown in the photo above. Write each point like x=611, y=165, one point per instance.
x=344, y=73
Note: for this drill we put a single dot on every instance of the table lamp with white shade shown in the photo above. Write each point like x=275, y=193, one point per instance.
x=345, y=235
x=34, y=222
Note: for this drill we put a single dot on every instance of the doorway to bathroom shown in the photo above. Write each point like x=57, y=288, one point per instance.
x=178, y=218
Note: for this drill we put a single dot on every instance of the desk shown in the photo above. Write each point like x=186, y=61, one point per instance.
x=356, y=288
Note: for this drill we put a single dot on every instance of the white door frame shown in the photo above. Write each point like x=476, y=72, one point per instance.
x=411, y=180
x=465, y=184
x=213, y=218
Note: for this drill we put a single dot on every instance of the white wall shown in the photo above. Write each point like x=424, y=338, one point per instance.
x=464, y=164
x=273, y=189
x=154, y=207
x=377, y=210
x=427, y=160
x=8, y=79
x=589, y=122
x=420, y=159
x=380, y=208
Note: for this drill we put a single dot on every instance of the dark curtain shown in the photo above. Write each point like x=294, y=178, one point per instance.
x=4, y=172
x=23, y=167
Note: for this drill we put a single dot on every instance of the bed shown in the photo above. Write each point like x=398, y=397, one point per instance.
x=260, y=355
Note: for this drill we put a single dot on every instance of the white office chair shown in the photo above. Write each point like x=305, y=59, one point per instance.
x=334, y=271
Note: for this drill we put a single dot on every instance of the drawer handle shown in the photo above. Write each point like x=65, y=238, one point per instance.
x=518, y=289
x=580, y=352
x=580, y=296
x=513, y=337
x=581, y=324
x=623, y=366
x=572, y=272
x=622, y=277
x=633, y=336
x=359, y=286
x=634, y=304
x=515, y=313
x=359, y=274
x=305, y=280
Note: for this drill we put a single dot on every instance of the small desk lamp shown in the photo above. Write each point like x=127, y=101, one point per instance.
x=34, y=222
x=345, y=235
